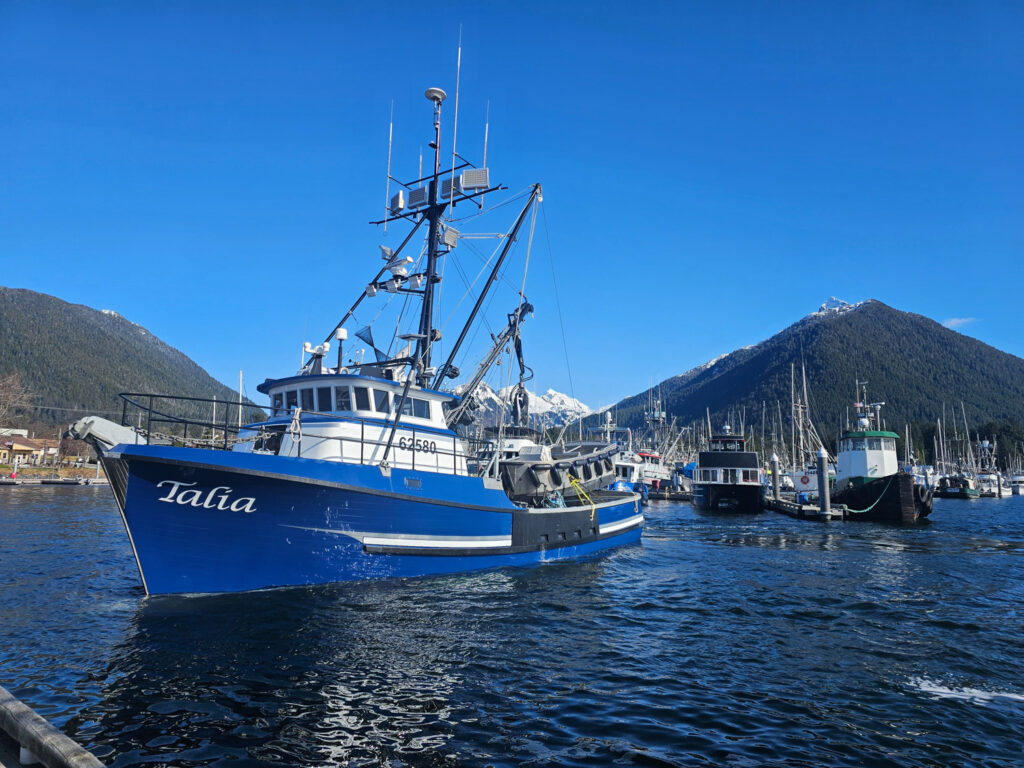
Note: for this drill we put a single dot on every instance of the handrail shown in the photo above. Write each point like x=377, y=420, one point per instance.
x=365, y=442
x=160, y=417
x=156, y=414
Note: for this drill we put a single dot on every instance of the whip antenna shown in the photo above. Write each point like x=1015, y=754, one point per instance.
x=387, y=191
x=487, y=125
x=455, y=126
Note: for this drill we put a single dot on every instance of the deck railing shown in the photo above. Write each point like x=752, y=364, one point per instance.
x=160, y=418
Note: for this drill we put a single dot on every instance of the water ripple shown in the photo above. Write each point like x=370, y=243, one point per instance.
x=754, y=641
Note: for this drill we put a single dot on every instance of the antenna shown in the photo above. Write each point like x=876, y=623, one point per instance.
x=487, y=126
x=387, y=190
x=455, y=126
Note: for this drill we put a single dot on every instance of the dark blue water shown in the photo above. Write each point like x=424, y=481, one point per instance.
x=716, y=641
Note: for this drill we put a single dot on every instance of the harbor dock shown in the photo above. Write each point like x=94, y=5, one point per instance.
x=53, y=481
x=804, y=511
x=669, y=494
x=28, y=739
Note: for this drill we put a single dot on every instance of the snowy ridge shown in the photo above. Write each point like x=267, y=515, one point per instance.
x=117, y=316
x=835, y=306
x=549, y=410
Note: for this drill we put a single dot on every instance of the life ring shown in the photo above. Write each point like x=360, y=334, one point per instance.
x=805, y=480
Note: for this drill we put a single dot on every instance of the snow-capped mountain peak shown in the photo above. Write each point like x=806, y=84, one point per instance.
x=835, y=306
x=550, y=409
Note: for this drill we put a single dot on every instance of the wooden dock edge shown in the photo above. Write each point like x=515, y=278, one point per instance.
x=804, y=511
x=34, y=734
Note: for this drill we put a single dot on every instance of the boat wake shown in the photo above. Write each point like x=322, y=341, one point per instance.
x=972, y=695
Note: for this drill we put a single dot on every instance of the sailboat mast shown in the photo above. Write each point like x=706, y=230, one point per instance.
x=434, y=214
x=792, y=415
x=805, y=415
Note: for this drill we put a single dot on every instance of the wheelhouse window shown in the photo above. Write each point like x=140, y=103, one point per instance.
x=277, y=403
x=323, y=399
x=342, y=399
x=875, y=444
x=362, y=398
x=291, y=399
x=415, y=406
x=889, y=443
x=307, y=400
x=381, y=401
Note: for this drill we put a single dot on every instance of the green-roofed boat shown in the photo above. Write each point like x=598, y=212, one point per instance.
x=868, y=477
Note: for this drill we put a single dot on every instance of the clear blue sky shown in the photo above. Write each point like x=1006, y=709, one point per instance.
x=712, y=171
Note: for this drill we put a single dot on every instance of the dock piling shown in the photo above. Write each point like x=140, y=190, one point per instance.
x=823, y=490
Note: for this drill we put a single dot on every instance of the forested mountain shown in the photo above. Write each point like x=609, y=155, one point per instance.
x=912, y=363
x=72, y=357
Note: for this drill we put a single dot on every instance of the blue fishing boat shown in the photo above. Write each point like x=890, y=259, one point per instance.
x=359, y=470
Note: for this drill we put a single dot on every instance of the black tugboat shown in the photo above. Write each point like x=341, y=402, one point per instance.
x=728, y=476
x=868, y=480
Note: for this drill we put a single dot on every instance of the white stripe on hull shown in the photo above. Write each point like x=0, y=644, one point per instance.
x=620, y=524
x=371, y=539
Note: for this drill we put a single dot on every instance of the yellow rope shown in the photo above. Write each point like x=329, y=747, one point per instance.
x=582, y=494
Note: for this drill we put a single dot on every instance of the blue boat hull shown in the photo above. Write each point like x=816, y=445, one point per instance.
x=205, y=521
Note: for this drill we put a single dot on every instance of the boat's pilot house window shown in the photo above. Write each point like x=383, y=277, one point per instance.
x=291, y=399
x=362, y=398
x=875, y=444
x=417, y=407
x=278, y=402
x=342, y=399
x=323, y=399
x=381, y=401
x=307, y=400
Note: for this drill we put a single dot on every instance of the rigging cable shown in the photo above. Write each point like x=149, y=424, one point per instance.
x=558, y=304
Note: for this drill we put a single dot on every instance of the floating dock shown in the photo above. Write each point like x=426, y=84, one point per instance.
x=805, y=511
x=669, y=494
x=28, y=739
x=53, y=481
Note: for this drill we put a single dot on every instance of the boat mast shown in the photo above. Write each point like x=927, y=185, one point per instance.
x=792, y=415
x=435, y=212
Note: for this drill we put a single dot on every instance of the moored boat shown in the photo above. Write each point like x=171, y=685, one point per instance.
x=1017, y=483
x=960, y=485
x=727, y=476
x=991, y=484
x=359, y=471
x=868, y=479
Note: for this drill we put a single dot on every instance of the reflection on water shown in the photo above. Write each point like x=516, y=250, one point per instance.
x=758, y=640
